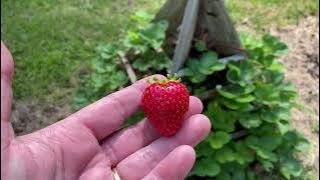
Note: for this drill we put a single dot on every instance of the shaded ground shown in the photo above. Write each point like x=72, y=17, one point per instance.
x=303, y=70
x=28, y=116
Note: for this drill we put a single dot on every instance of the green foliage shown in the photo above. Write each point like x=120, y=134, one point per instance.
x=141, y=45
x=218, y=139
x=106, y=77
x=198, y=69
x=206, y=167
x=250, y=110
x=256, y=100
x=201, y=46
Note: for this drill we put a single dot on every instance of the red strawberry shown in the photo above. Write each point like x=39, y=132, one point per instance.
x=165, y=104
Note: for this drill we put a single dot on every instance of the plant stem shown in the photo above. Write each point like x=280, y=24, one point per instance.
x=239, y=134
x=127, y=66
x=208, y=94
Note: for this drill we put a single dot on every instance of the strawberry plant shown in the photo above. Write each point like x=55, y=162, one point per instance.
x=142, y=44
x=248, y=101
x=250, y=112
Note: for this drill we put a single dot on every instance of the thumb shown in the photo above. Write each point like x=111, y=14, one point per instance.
x=7, y=133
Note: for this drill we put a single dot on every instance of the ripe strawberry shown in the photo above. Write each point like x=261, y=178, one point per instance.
x=165, y=104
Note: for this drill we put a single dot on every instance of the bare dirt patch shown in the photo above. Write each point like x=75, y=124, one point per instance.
x=28, y=116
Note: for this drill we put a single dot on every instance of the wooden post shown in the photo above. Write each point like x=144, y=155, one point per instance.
x=213, y=25
x=185, y=36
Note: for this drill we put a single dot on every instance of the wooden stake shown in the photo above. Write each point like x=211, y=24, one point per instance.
x=185, y=36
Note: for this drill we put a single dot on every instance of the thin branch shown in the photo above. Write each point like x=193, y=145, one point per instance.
x=185, y=36
x=208, y=94
x=127, y=66
x=239, y=134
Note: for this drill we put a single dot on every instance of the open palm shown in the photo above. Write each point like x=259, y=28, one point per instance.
x=90, y=145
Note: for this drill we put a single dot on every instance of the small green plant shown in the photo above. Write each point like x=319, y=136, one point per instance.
x=249, y=102
x=250, y=112
x=142, y=46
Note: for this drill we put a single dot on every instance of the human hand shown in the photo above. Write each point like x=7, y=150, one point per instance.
x=88, y=144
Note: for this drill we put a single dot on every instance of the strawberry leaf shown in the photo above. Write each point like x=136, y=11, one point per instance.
x=243, y=153
x=225, y=154
x=218, y=139
x=206, y=167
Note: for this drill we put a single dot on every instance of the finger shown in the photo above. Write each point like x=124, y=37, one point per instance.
x=117, y=147
x=7, y=133
x=139, y=164
x=106, y=115
x=175, y=166
x=97, y=169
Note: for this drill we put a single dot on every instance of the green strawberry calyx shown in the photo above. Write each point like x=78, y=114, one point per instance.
x=170, y=78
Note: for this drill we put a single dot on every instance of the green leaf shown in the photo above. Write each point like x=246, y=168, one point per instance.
x=276, y=114
x=231, y=91
x=152, y=60
x=242, y=73
x=243, y=153
x=239, y=174
x=218, y=139
x=266, y=142
x=283, y=126
x=250, y=120
x=232, y=171
x=266, y=94
x=290, y=166
x=235, y=91
x=199, y=91
x=288, y=92
x=200, y=46
x=209, y=63
x=273, y=77
x=142, y=17
x=250, y=175
x=224, y=176
x=265, y=130
x=303, y=144
x=107, y=51
x=276, y=67
x=192, y=71
x=223, y=120
x=266, y=164
x=225, y=154
x=294, y=142
x=141, y=64
x=133, y=38
x=203, y=149
x=273, y=43
x=206, y=167
x=268, y=115
x=245, y=99
x=117, y=80
x=154, y=34
x=233, y=105
x=265, y=154
x=264, y=145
